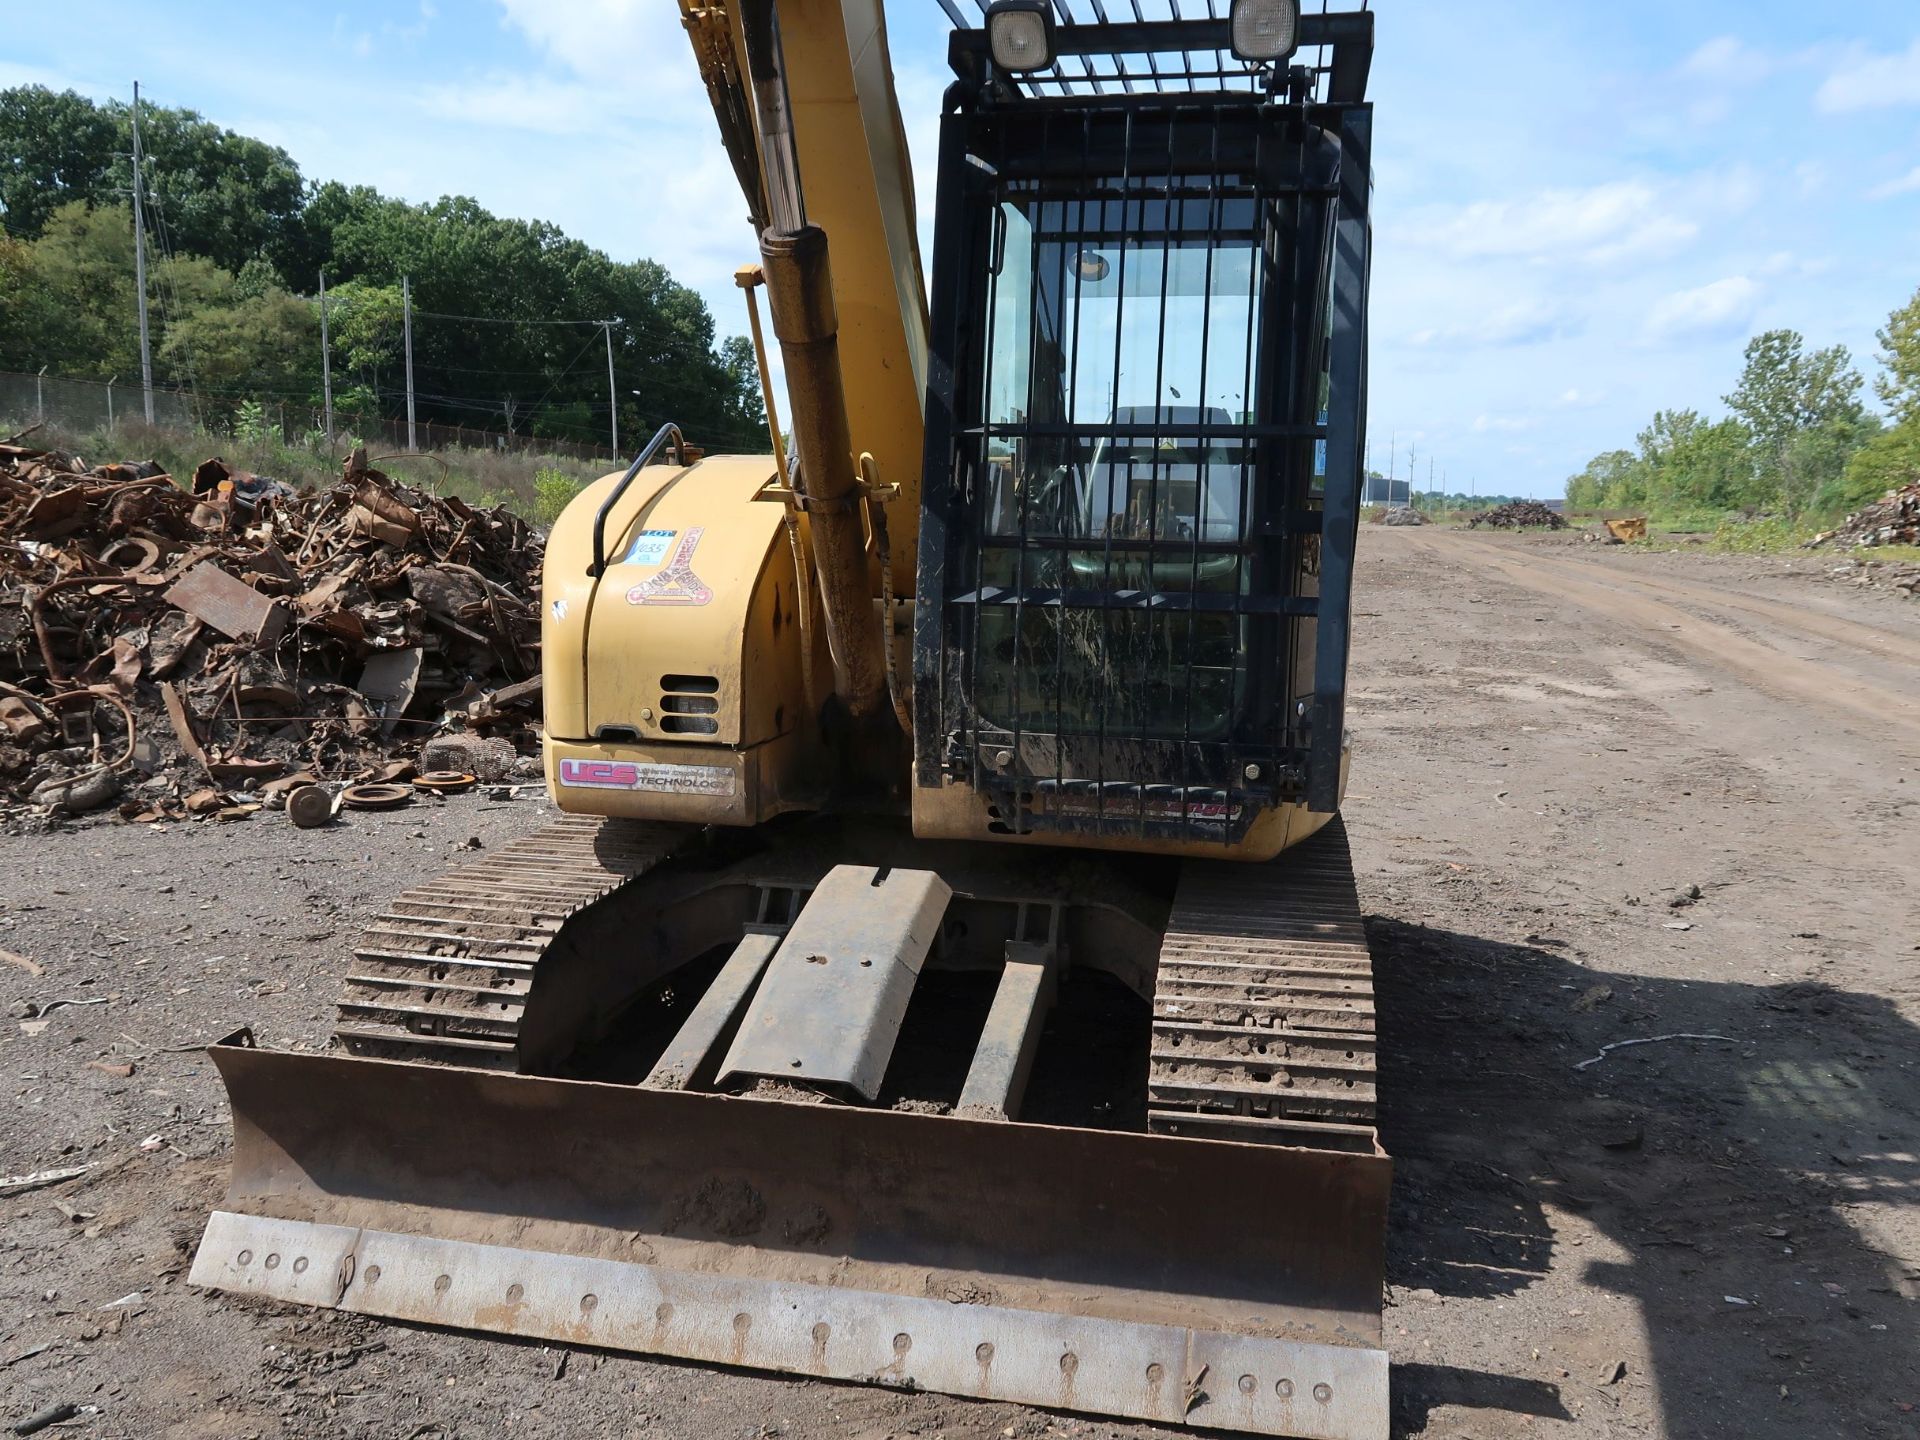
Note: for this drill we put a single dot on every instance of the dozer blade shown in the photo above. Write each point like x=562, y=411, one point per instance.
x=1188, y=1281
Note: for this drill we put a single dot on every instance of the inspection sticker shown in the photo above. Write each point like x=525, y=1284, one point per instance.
x=662, y=779
x=676, y=584
x=649, y=547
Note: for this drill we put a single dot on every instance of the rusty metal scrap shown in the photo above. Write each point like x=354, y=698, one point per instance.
x=248, y=631
x=1893, y=519
x=1520, y=515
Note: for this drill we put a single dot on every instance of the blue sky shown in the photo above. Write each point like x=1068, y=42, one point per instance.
x=1582, y=211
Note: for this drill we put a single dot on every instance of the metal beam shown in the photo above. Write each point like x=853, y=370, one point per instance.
x=1350, y=34
x=689, y=1059
x=830, y=1008
x=1346, y=425
x=997, y=1079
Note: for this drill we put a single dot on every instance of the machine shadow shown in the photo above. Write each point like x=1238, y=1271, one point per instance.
x=1719, y=1169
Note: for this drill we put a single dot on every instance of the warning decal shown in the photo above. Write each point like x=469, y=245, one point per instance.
x=676, y=584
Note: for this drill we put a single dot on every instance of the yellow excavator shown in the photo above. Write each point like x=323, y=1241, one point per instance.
x=947, y=971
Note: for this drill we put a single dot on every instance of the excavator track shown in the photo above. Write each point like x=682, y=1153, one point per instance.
x=443, y=974
x=1263, y=1017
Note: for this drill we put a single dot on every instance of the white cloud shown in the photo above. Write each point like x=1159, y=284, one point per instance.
x=1727, y=60
x=1868, y=82
x=1599, y=225
x=1709, y=110
x=1503, y=424
x=536, y=103
x=1577, y=399
x=1907, y=184
x=1721, y=308
x=409, y=34
x=1521, y=322
x=661, y=183
x=12, y=75
x=621, y=43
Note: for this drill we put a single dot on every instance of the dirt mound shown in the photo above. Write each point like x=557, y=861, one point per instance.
x=1893, y=519
x=199, y=647
x=1520, y=515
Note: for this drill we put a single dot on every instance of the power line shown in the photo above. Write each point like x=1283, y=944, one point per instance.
x=140, y=264
x=503, y=320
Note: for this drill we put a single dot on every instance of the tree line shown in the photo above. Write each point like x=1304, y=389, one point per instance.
x=238, y=240
x=1798, y=439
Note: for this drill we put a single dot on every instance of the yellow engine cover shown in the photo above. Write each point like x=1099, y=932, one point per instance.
x=674, y=685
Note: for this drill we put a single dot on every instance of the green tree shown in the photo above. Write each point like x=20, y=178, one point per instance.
x=237, y=240
x=31, y=316
x=1615, y=480
x=471, y=271
x=54, y=149
x=1804, y=412
x=266, y=345
x=743, y=368
x=82, y=270
x=1887, y=461
x=213, y=192
x=210, y=191
x=553, y=491
x=1899, y=383
x=366, y=330
x=1690, y=464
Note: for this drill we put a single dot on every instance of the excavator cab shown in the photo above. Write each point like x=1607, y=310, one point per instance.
x=926, y=1081
x=1139, y=509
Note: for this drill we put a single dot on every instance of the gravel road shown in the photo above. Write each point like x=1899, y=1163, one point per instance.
x=1600, y=796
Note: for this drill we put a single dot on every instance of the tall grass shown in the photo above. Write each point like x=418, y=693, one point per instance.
x=525, y=482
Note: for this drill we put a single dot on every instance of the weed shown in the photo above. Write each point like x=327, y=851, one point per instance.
x=553, y=491
x=1766, y=535
x=480, y=477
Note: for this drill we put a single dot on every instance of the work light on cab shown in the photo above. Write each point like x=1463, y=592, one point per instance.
x=1020, y=35
x=1265, y=29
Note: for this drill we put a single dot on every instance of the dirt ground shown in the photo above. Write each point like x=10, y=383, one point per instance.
x=1599, y=797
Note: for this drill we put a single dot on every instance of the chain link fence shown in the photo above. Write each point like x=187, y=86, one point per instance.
x=86, y=405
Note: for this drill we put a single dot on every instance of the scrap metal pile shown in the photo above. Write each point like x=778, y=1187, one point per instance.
x=1893, y=519
x=201, y=648
x=1520, y=515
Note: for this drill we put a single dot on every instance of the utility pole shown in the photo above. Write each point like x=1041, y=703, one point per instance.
x=613, y=396
x=326, y=360
x=140, y=264
x=40, y=397
x=110, y=403
x=406, y=322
